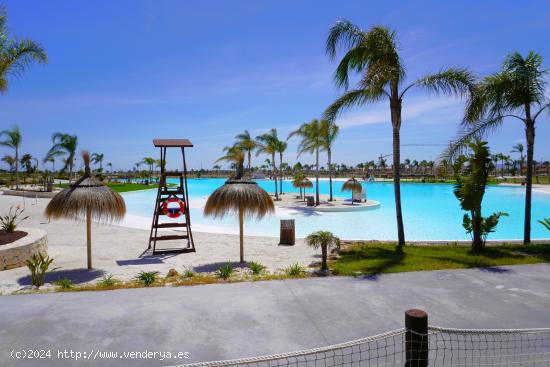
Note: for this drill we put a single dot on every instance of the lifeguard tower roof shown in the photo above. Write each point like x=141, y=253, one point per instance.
x=172, y=143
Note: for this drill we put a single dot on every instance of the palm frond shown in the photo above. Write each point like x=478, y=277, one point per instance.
x=350, y=99
x=343, y=34
x=475, y=131
x=451, y=81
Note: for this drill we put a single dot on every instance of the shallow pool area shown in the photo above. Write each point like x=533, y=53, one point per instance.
x=430, y=212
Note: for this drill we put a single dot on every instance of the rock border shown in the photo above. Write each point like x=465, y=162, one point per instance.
x=15, y=254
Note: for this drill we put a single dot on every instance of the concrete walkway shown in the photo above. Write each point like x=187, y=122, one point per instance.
x=236, y=320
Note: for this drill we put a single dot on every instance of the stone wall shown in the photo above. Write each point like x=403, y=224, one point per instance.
x=15, y=254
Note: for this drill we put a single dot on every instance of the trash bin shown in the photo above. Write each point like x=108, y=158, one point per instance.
x=288, y=232
x=310, y=200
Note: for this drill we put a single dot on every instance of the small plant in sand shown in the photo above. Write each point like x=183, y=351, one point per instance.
x=188, y=272
x=225, y=271
x=107, y=281
x=172, y=273
x=325, y=240
x=294, y=270
x=38, y=266
x=147, y=278
x=64, y=283
x=256, y=268
x=10, y=221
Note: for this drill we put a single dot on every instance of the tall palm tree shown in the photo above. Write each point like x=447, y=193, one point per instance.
x=375, y=56
x=98, y=158
x=64, y=145
x=516, y=92
x=329, y=133
x=519, y=148
x=281, y=147
x=49, y=159
x=268, y=143
x=13, y=140
x=16, y=54
x=312, y=142
x=247, y=144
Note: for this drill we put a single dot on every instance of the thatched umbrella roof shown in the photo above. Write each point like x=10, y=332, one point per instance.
x=87, y=198
x=236, y=195
x=352, y=185
x=306, y=183
x=242, y=197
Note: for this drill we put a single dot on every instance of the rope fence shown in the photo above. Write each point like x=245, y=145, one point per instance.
x=417, y=345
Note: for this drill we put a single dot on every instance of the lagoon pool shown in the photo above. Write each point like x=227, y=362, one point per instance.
x=430, y=212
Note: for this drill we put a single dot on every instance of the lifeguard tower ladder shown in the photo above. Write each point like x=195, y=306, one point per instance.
x=172, y=202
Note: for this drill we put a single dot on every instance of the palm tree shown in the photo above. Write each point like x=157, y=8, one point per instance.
x=374, y=54
x=268, y=143
x=149, y=161
x=51, y=160
x=517, y=92
x=281, y=147
x=10, y=161
x=98, y=158
x=16, y=54
x=13, y=140
x=26, y=161
x=325, y=240
x=312, y=142
x=519, y=148
x=247, y=144
x=64, y=145
x=233, y=155
x=329, y=133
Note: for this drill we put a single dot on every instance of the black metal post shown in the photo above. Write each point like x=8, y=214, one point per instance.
x=416, y=338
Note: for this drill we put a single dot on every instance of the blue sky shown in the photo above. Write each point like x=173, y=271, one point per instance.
x=123, y=72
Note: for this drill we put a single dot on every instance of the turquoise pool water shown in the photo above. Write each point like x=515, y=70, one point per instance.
x=430, y=211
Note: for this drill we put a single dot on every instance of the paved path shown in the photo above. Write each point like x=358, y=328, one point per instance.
x=236, y=320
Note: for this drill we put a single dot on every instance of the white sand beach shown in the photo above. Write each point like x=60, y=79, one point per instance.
x=119, y=250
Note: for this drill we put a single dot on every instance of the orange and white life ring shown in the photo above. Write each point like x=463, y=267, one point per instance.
x=173, y=212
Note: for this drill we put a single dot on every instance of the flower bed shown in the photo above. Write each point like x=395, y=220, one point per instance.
x=16, y=253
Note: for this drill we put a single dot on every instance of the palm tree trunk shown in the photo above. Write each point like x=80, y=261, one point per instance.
x=281, y=171
x=477, y=243
x=530, y=135
x=324, y=266
x=89, y=236
x=274, y=165
x=317, y=176
x=396, y=124
x=249, y=159
x=17, y=168
x=241, y=233
x=329, y=153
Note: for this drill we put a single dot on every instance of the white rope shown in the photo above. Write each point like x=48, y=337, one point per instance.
x=231, y=362
x=487, y=331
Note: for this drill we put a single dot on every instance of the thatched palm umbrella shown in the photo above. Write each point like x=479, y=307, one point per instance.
x=242, y=197
x=352, y=185
x=89, y=198
x=306, y=184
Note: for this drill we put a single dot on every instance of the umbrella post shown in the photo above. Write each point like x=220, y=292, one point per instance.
x=89, y=236
x=241, y=232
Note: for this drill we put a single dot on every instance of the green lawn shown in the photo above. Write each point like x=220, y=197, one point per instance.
x=122, y=187
x=377, y=258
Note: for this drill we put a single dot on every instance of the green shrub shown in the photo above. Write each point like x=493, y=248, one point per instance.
x=188, y=272
x=38, y=266
x=64, y=283
x=294, y=270
x=10, y=221
x=147, y=277
x=225, y=271
x=172, y=273
x=256, y=268
x=107, y=281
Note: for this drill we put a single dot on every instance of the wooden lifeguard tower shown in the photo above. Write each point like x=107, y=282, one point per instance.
x=172, y=201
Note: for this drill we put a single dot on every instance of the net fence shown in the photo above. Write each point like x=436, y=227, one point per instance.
x=439, y=347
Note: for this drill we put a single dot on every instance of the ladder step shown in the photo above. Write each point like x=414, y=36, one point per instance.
x=170, y=225
x=171, y=237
